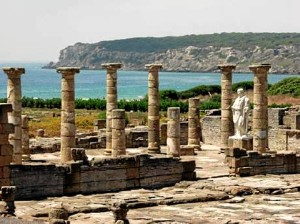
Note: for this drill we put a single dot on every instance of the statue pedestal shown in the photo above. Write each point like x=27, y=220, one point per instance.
x=245, y=142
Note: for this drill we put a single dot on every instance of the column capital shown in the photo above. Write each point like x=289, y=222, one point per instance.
x=11, y=71
x=112, y=66
x=153, y=67
x=71, y=70
x=260, y=68
x=226, y=67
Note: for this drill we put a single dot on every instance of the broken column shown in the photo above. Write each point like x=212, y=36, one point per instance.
x=118, y=133
x=227, y=128
x=119, y=210
x=153, y=108
x=58, y=215
x=111, y=100
x=8, y=194
x=14, y=97
x=260, y=110
x=68, y=129
x=25, y=138
x=173, y=132
x=194, y=128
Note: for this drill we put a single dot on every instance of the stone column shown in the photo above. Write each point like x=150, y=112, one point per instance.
x=118, y=133
x=153, y=108
x=14, y=97
x=194, y=128
x=68, y=129
x=260, y=110
x=111, y=100
x=227, y=128
x=25, y=138
x=173, y=132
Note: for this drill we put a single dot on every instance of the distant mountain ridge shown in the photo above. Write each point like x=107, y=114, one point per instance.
x=195, y=53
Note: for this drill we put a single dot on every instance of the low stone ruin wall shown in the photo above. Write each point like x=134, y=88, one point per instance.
x=211, y=130
x=249, y=163
x=100, y=175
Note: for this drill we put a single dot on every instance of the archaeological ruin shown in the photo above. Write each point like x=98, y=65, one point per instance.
x=256, y=141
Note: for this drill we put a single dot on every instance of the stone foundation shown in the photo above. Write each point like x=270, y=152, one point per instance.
x=101, y=175
x=249, y=163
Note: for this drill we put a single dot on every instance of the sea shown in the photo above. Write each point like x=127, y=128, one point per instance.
x=45, y=83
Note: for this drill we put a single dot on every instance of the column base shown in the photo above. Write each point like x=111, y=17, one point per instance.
x=154, y=150
x=245, y=142
x=26, y=158
x=107, y=152
x=17, y=159
x=189, y=150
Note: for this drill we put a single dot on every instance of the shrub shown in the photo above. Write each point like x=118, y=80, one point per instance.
x=288, y=86
x=246, y=85
x=168, y=94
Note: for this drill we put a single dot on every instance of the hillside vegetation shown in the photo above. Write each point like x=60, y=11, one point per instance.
x=240, y=41
x=197, y=53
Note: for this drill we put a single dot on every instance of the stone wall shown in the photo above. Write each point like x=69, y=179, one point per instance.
x=249, y=163
x=211, y=130
x=6, y=150
x=183, y=133
x=101, y=175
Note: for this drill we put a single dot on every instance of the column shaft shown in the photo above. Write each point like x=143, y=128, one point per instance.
x=194, y=128
x=173, y=132
x=227, y=128
x=25, y=138
x=14, y=97
x=111, y=100
x=153, y=108
x=68, y=128
x=118, y=133
x=260, y=110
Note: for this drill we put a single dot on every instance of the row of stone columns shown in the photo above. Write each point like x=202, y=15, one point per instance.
x=260, y=101
x=68, y=129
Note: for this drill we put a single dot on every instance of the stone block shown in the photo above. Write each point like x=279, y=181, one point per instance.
x=159, y=181
x=244, y=171
x=132, y=173
x=6, y=150
x=235, y=152
x=188, y=165
x=243, y=143
x=7, y=128
x=187, y=150
x=240, y=162
x=5, y=160
x=189, y=176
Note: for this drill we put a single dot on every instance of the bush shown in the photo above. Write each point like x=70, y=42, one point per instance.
x=200, y=90
x=168, y=94
x=246, y=85
x=209, y=105
x=288, y=86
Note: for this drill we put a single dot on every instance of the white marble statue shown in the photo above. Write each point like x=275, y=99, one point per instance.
x=240, y=110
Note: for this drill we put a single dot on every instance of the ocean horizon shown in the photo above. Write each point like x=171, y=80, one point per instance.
x=45, y=83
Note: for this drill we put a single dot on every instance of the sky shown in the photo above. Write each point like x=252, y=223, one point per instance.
x=36, y=30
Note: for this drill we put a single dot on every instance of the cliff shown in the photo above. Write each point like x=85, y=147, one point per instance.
x=195, y=53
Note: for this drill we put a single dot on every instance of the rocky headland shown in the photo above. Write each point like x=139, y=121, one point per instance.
x=193, y=53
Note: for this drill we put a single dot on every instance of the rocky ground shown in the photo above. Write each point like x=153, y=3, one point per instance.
x=215, y=197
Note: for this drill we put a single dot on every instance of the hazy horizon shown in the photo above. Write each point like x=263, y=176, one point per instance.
x=35, y=32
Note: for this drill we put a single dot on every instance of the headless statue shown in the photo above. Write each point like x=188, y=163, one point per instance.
x=240, y=110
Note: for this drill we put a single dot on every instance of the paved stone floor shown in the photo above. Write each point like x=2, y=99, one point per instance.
x=215, y=197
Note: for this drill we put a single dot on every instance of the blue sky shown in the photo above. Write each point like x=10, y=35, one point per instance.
x=36, y=30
